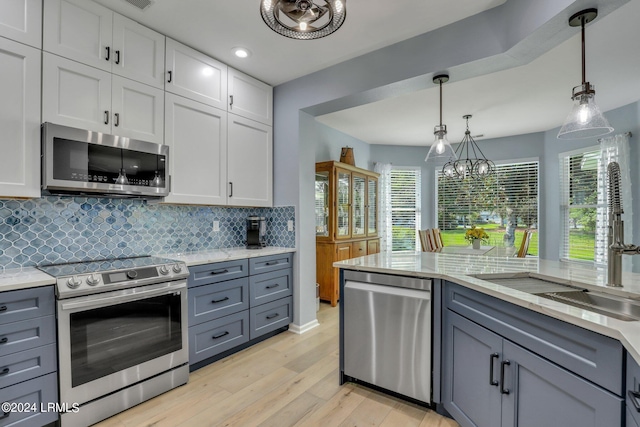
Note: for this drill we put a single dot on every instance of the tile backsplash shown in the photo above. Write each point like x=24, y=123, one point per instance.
x=66, y=229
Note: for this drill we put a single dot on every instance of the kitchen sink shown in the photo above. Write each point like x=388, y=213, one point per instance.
x=572, y=294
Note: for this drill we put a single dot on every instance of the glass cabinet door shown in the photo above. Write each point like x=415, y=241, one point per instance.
x=372, y=206
x=359, y=205
x=322, y=204
x=343, y=204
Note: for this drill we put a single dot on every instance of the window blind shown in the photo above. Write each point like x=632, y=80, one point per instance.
x=579, y=204
x=405, y=208
x=507, y=198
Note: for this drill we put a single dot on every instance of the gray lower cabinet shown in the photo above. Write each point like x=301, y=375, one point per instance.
x=232, y=303
x=28, y=357
x=503, y=365
x=632, y=394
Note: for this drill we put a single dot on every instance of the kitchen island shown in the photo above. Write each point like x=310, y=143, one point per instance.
x=538, y=351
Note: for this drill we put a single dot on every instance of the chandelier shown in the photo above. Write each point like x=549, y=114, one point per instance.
x=303, y=19
x=474, y=164
x=585, y=119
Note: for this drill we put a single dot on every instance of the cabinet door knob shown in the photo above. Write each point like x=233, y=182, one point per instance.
x=502, y=389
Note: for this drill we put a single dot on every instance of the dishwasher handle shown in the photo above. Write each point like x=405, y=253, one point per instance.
x=388, y=290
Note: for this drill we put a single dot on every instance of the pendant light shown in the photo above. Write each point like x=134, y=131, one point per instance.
x=441, y=150
x=303, y=19
x=122, y=177
x=585, y=119
x=474, y=164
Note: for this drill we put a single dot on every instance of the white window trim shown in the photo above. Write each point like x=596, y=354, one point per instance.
x=418, y=201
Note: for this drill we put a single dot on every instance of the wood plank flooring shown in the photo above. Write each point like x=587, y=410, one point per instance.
x=287, y=380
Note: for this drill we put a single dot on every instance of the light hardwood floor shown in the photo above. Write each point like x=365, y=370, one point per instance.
x=287, y=380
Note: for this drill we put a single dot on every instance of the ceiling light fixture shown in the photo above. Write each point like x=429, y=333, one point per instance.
x=303, y=19
x=585, y=119
x=241, y=52
x=475, y=165
x=441, y=150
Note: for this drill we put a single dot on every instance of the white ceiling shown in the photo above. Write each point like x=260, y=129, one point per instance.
x=531, y=98
x=215, y=27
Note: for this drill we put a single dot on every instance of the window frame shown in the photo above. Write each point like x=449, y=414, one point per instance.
x=418, y=208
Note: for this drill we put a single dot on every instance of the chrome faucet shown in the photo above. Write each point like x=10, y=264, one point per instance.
x=616, y=245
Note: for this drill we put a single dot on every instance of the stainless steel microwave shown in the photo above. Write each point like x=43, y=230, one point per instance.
x=81, y=162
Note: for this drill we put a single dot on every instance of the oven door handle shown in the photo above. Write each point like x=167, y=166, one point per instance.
x=104, y=300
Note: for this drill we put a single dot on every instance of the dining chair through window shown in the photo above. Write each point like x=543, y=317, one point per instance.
x=524, y=245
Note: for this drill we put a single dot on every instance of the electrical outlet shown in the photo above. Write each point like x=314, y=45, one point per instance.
x=216, y=225
x=290, y=225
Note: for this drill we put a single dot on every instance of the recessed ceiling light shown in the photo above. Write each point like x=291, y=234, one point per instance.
x=241, y=52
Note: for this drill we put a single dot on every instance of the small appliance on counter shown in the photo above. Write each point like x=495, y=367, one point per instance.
x=256, y=232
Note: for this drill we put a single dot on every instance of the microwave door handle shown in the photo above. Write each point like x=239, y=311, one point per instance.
x=101, y=300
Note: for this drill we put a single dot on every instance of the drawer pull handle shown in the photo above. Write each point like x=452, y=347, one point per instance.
x=635, y=399
x=116, y=121
x=4, y=340
x=271, y=316
x=4, y=371
x=117, y=57
x=491, y=380
x=215, y=337
x=273, y=286
x=3, y=308
x=106, y=117
x=108, y=56
x=502, y=389
x=215, y=301
x=220, y=271
x=271, y=263
x=170, y=76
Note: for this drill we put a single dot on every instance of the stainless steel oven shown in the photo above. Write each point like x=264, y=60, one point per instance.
x=122, y=334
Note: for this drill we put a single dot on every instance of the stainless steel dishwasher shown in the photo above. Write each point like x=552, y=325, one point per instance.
x=387, y=332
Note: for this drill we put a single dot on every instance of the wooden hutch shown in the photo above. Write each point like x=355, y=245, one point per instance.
x=346, y=210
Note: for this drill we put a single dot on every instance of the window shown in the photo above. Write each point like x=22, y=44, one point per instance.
x=405, y=208
x=579, y=202
x=504, y=204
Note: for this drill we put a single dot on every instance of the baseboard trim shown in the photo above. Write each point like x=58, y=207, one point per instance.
x=304, y=328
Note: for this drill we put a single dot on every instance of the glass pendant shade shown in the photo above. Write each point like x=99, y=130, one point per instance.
x=441, y=150
x=157, y=180
x=122, y=178
x=585, y=119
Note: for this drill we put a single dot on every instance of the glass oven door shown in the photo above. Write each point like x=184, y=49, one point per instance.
x=112, y=340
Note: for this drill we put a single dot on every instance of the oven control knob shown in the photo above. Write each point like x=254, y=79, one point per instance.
x=73, y=282
x=177, y=268
x=132, y=274
x=93, y=280
x=164, y=270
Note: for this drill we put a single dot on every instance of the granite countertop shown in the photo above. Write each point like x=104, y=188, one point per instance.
x=225, y=254
x=461, y=269
x=31, y=277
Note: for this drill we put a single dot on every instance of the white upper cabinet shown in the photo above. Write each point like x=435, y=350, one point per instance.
x=249, y=163
x=80, y=30
x=195, y=76
x=21, y=20
x=75, y=94
x=84, y=97
x=138, y=52
x=89, y=33
x=197, y=138
x=137, y=110
x=19, y=120
x=250, y=98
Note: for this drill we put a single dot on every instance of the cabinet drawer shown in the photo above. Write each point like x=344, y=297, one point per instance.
x=264, y=264
x=269, y=287
x=591, y=355
x=218, y=300
x=22, y=366
x=27, y=334
x=208, y=339
x=271, y=316
x=217, y=272
x=633, y=385
x=359, y=249
x=38, y=391
x=26, y=304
